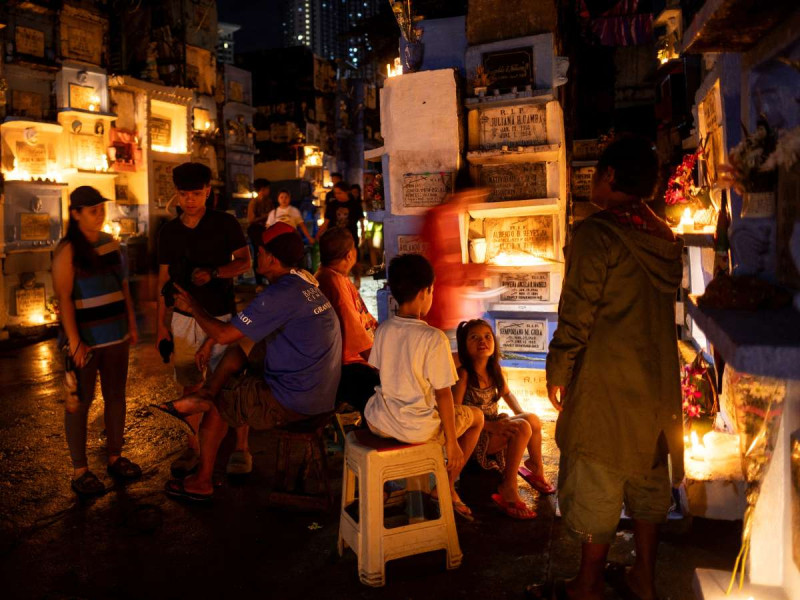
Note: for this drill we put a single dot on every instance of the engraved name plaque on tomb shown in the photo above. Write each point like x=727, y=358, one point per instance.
x=411, y=244
x=525, y=287
x=522, y=335
x=531, y=235
x=582, y=182
x=34, y=227
x=30, y=301
x=423, y=191
x=160, y=132
x=513, y=126
x=515, y=182
x=509, y=68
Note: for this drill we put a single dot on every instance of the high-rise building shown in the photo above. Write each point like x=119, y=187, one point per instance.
x=315, y=24
x=225, y=43
x=322, y=24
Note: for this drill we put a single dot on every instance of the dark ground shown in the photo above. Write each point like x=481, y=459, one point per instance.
x=134, y=542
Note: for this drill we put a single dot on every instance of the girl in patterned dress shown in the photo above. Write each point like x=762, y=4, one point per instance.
x=504, y=439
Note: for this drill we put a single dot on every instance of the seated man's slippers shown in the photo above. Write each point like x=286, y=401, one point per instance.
x=537, y=482
x=174, y=489
x=166, y=412
x=515, y=510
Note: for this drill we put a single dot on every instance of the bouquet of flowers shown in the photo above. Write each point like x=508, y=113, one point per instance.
x=680, y=187
x=698, y=390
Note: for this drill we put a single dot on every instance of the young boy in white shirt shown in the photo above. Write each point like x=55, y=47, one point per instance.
x=414, y=403
x=287, y=213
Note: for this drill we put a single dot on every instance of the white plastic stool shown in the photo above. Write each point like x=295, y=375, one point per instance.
x=374, y=461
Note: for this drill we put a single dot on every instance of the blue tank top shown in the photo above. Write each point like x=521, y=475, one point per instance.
x=100, y=309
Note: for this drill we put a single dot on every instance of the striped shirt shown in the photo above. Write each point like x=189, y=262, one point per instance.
x=100, y=309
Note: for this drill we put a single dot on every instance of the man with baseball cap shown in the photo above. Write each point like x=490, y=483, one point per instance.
x=201, y=250
x=302, y=362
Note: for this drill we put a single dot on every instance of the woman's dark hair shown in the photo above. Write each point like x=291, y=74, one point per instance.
x=84, y=256
x=492, y=366
x=345, y=187
x=334, y=245
x=635, y=165
x=285, y=191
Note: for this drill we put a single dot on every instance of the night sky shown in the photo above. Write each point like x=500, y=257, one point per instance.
x=260, y=21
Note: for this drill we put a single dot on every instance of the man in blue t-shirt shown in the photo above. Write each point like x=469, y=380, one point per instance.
x=302, y=365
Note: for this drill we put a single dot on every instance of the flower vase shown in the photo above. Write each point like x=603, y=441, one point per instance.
x=756, y=205
x=411, y=54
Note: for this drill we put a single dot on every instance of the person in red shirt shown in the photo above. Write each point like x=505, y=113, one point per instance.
x=442, y=238
x=338, y=255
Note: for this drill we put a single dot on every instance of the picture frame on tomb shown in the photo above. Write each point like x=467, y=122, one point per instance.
x=513, y=126
x=128, y=226
x=522, y=335
x=160, y=132
x=87, y=151
x=163, y=188
x=710, y=120
x=525, y=287
x=29, y=301
x=201, y=69
x=27, y=104
x=32, y=158
x=29, y=41
x=81, y=97
x=517, y=181
x=509, y=68
x=82, y=40
x=34, y=227
x=531, y=235
x=235, y=91
x=422, y=191
x=411, y=244
x=124, y=105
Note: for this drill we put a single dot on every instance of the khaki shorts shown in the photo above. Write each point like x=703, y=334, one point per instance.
x=247, y=400
x=590, y=496
x=188, y=336
x=463, y=418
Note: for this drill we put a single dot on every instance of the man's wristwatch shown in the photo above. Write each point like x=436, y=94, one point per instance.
x=214, y=273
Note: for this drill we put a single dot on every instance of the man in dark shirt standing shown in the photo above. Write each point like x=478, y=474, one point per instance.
x=202, y=250
x=343, y=211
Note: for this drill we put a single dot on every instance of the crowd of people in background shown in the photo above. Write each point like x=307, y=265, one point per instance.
x=307, y=345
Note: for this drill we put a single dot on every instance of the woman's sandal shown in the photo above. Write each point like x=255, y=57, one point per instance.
x=463, y=511
x=88, y=485
x=171, y=416
x=515, y=510
x=537, y=482
x=124, y=468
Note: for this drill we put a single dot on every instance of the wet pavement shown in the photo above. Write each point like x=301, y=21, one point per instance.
x=134, y=542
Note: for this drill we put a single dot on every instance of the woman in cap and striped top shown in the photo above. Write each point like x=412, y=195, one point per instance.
x=99, y=324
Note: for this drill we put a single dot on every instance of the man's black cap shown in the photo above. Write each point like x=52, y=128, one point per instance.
x=191, y=176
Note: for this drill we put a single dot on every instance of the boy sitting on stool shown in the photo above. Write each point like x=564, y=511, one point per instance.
x=414, y=403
